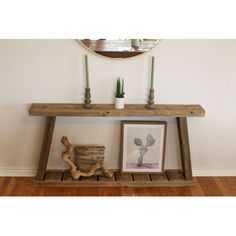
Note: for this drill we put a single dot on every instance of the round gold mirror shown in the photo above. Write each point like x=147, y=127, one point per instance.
x=120, y=48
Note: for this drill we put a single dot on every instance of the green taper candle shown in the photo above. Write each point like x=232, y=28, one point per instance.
x=152, y=75
x=87, y=72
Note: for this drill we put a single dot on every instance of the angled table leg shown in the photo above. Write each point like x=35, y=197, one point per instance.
x=47, y=140
x=184, y=147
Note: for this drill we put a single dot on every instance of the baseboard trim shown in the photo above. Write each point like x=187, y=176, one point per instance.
x=214, y=172
x=18, y=172
x=32, y=172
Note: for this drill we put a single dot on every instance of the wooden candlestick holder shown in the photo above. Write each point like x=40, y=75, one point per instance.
x=87, y=101
x=151, y=102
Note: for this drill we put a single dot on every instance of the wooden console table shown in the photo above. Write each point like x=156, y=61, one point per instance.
x=181, y=177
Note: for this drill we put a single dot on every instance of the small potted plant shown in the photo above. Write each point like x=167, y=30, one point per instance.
x=119, y=95
x=135, y=43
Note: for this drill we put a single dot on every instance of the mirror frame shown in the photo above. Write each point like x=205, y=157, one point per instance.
x=118, y=58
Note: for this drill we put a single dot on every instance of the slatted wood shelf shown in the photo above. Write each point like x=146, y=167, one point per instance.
x=60, y=178
x=108, y=110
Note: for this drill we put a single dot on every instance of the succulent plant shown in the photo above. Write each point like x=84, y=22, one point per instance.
x=144, y=148
x=120, y=88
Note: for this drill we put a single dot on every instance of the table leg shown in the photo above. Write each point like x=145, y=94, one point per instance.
x=47, y=140
x=184, y=147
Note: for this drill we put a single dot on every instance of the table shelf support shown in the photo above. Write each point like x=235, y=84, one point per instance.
x=46, y=145
x=182, y=126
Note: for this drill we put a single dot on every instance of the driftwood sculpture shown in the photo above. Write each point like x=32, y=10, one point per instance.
x=75, y=172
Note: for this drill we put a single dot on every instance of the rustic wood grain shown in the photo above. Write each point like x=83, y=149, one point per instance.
x=205, y=186
x=141, y=178
x=106, y=179
x=104, y=110
x=90, y=163
x=158, y=177
x=47, y=140
x=108, y=110
x=88, y=155
x=54, y=175
x=184, y=147
x=67, y=176
x=68, y=179
x=92, y=179
x=118, y=180
x=174, y=175
x=121, y=177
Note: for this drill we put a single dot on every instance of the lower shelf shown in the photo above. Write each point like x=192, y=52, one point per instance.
x=59, y=178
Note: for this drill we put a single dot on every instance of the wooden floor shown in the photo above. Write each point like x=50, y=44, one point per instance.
x=205, y=186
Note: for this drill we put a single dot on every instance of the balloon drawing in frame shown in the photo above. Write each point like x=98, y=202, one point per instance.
x=143, y=146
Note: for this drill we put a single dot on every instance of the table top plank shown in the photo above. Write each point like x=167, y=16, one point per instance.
x=108, y=110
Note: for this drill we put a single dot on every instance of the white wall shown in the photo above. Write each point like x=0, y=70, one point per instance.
x=188, y=71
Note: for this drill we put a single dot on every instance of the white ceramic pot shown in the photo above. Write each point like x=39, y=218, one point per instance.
x=119, y=103
x=135, y=43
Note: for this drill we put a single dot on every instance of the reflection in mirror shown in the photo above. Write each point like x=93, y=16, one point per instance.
x=120, y=48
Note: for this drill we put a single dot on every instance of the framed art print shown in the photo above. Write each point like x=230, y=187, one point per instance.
x=143, y=146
